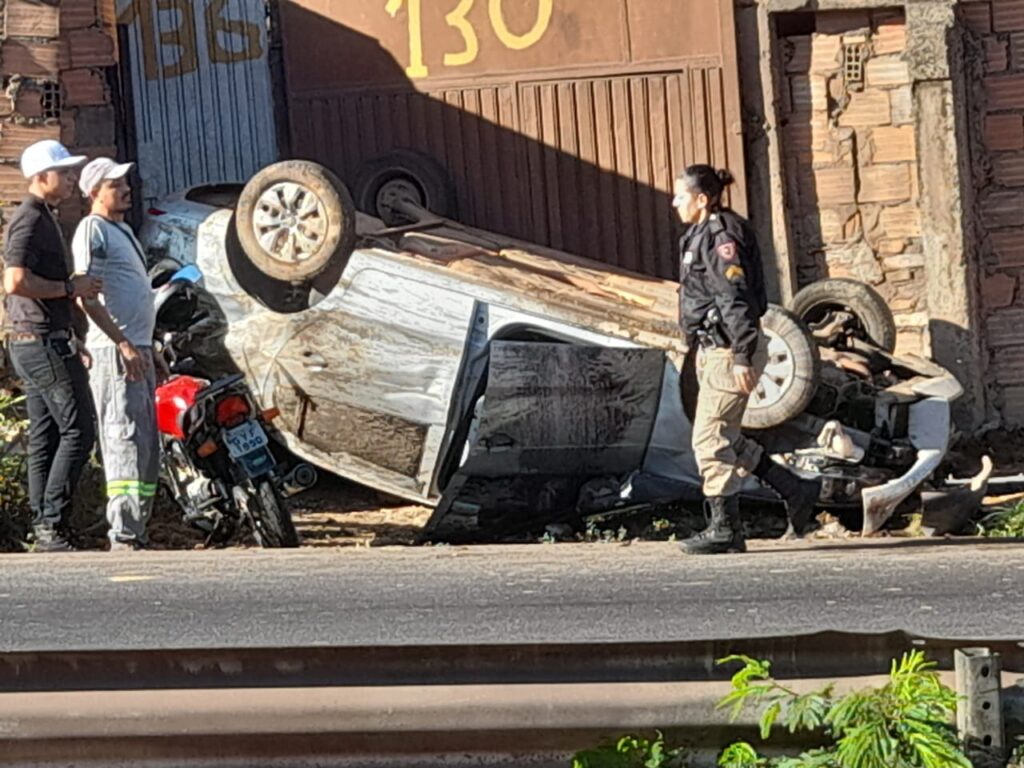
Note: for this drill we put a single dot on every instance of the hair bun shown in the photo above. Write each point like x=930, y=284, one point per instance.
x=725, y=176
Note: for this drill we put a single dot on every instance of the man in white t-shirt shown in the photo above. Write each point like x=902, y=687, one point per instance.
x=123, y=376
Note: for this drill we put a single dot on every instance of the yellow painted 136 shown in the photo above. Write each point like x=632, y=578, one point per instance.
x=457, y=20
x=219, y=31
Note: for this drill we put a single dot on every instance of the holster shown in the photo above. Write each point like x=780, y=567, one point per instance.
x=711, y=333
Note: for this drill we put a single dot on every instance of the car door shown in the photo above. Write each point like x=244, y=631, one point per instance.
x=365, y=379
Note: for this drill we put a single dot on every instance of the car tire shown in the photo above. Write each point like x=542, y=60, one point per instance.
x=788, y=383
x=790, y=378
x=403, y=172
x=873, y=320
x=295, y=220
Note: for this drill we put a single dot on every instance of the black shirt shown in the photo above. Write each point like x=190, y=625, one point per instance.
x=35, y=242
x=720, y=266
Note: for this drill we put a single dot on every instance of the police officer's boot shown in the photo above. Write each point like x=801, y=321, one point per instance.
x=799, y=495
x=724, y=532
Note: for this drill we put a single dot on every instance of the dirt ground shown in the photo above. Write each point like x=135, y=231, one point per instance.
x=338, y=513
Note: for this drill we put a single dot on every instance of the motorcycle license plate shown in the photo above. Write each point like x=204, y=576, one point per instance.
x=245, y=439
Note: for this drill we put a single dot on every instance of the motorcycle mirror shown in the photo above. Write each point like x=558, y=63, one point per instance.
x=187, y=274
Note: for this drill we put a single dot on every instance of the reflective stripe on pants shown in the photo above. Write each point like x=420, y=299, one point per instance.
x=129, y=441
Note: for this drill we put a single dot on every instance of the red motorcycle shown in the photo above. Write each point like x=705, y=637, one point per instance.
x=217, y=458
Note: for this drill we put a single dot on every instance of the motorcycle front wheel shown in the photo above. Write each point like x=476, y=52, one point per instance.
x=271, y=522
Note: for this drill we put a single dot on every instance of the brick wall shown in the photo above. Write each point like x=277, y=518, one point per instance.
x=53, y=71
x=851, y=160
x=996, y=111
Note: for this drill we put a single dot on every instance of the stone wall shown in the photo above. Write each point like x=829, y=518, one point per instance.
x=851, y=160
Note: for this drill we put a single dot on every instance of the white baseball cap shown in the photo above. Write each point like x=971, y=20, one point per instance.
x=99, y=170
x=47, y=155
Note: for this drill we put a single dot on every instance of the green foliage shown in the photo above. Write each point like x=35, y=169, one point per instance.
x=1004, y=522
x=904, y=724
x=631, y=752
x=13, y=472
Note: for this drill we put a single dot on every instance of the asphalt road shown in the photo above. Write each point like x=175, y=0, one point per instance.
x=527, y=594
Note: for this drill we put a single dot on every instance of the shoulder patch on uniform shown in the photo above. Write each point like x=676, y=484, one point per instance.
x=727, y=251
x=734, y=272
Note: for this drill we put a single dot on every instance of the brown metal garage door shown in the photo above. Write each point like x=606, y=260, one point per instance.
x=562, y=122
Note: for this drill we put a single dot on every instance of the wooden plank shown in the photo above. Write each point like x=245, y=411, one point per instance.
x=663, y=172
x=529, y=114
x=647, y=258
x=568, y=169
x=590, y=174
x=456, y=156
x=494, y=189
x=549, y=134
x=511, y=159
x=603, y=117
x=471, y=152
x=625, y=159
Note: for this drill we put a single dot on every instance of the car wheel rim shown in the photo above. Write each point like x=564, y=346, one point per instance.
x=393, y=193
x=778, y=375
x=290, y=222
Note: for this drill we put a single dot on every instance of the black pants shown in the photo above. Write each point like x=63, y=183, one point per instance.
x=61, y=425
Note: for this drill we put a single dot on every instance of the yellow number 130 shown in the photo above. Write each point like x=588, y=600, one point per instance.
x=457, y=20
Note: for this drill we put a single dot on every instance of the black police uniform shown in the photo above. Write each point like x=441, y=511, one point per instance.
x=722, y=297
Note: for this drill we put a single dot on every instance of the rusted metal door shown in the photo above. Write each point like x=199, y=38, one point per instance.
x=561, y=122
x=201, y=88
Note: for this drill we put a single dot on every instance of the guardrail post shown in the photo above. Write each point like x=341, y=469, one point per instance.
x=979, y=713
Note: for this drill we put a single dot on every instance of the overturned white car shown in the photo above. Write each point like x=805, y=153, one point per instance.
x=504, y=382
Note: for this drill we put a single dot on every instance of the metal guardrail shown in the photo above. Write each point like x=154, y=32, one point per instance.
x=526, y=705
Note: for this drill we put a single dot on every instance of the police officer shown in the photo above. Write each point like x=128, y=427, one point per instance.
x=721, y=302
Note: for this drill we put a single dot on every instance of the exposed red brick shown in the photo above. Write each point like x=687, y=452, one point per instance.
x=998, y=290
x=976, y=16
x=1004, y=132
x=90, y=48
x=894, y=145
x=900, y=221
x=1008, y=365
x=884, y=183
x=866, y=109
x=1006, y=328
x=108, y=13
x=14, y=138
x=840, y=22
x=84, y=87
x=890, y=36
x=33, y=59
x=829, y=186
x=1012, y=408
x=26, y=19
x=1008, y=15
x=887, y=72
x=899, y=276
x=1003, y=209
x=997, y=57
x=1008, y=247
x=1008, y=169
x=1017, y=50
x=77, y=14
x=797, y=54
x=12, y=184
x=1004, y=92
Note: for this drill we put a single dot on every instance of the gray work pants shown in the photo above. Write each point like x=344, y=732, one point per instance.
x=129, y=441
